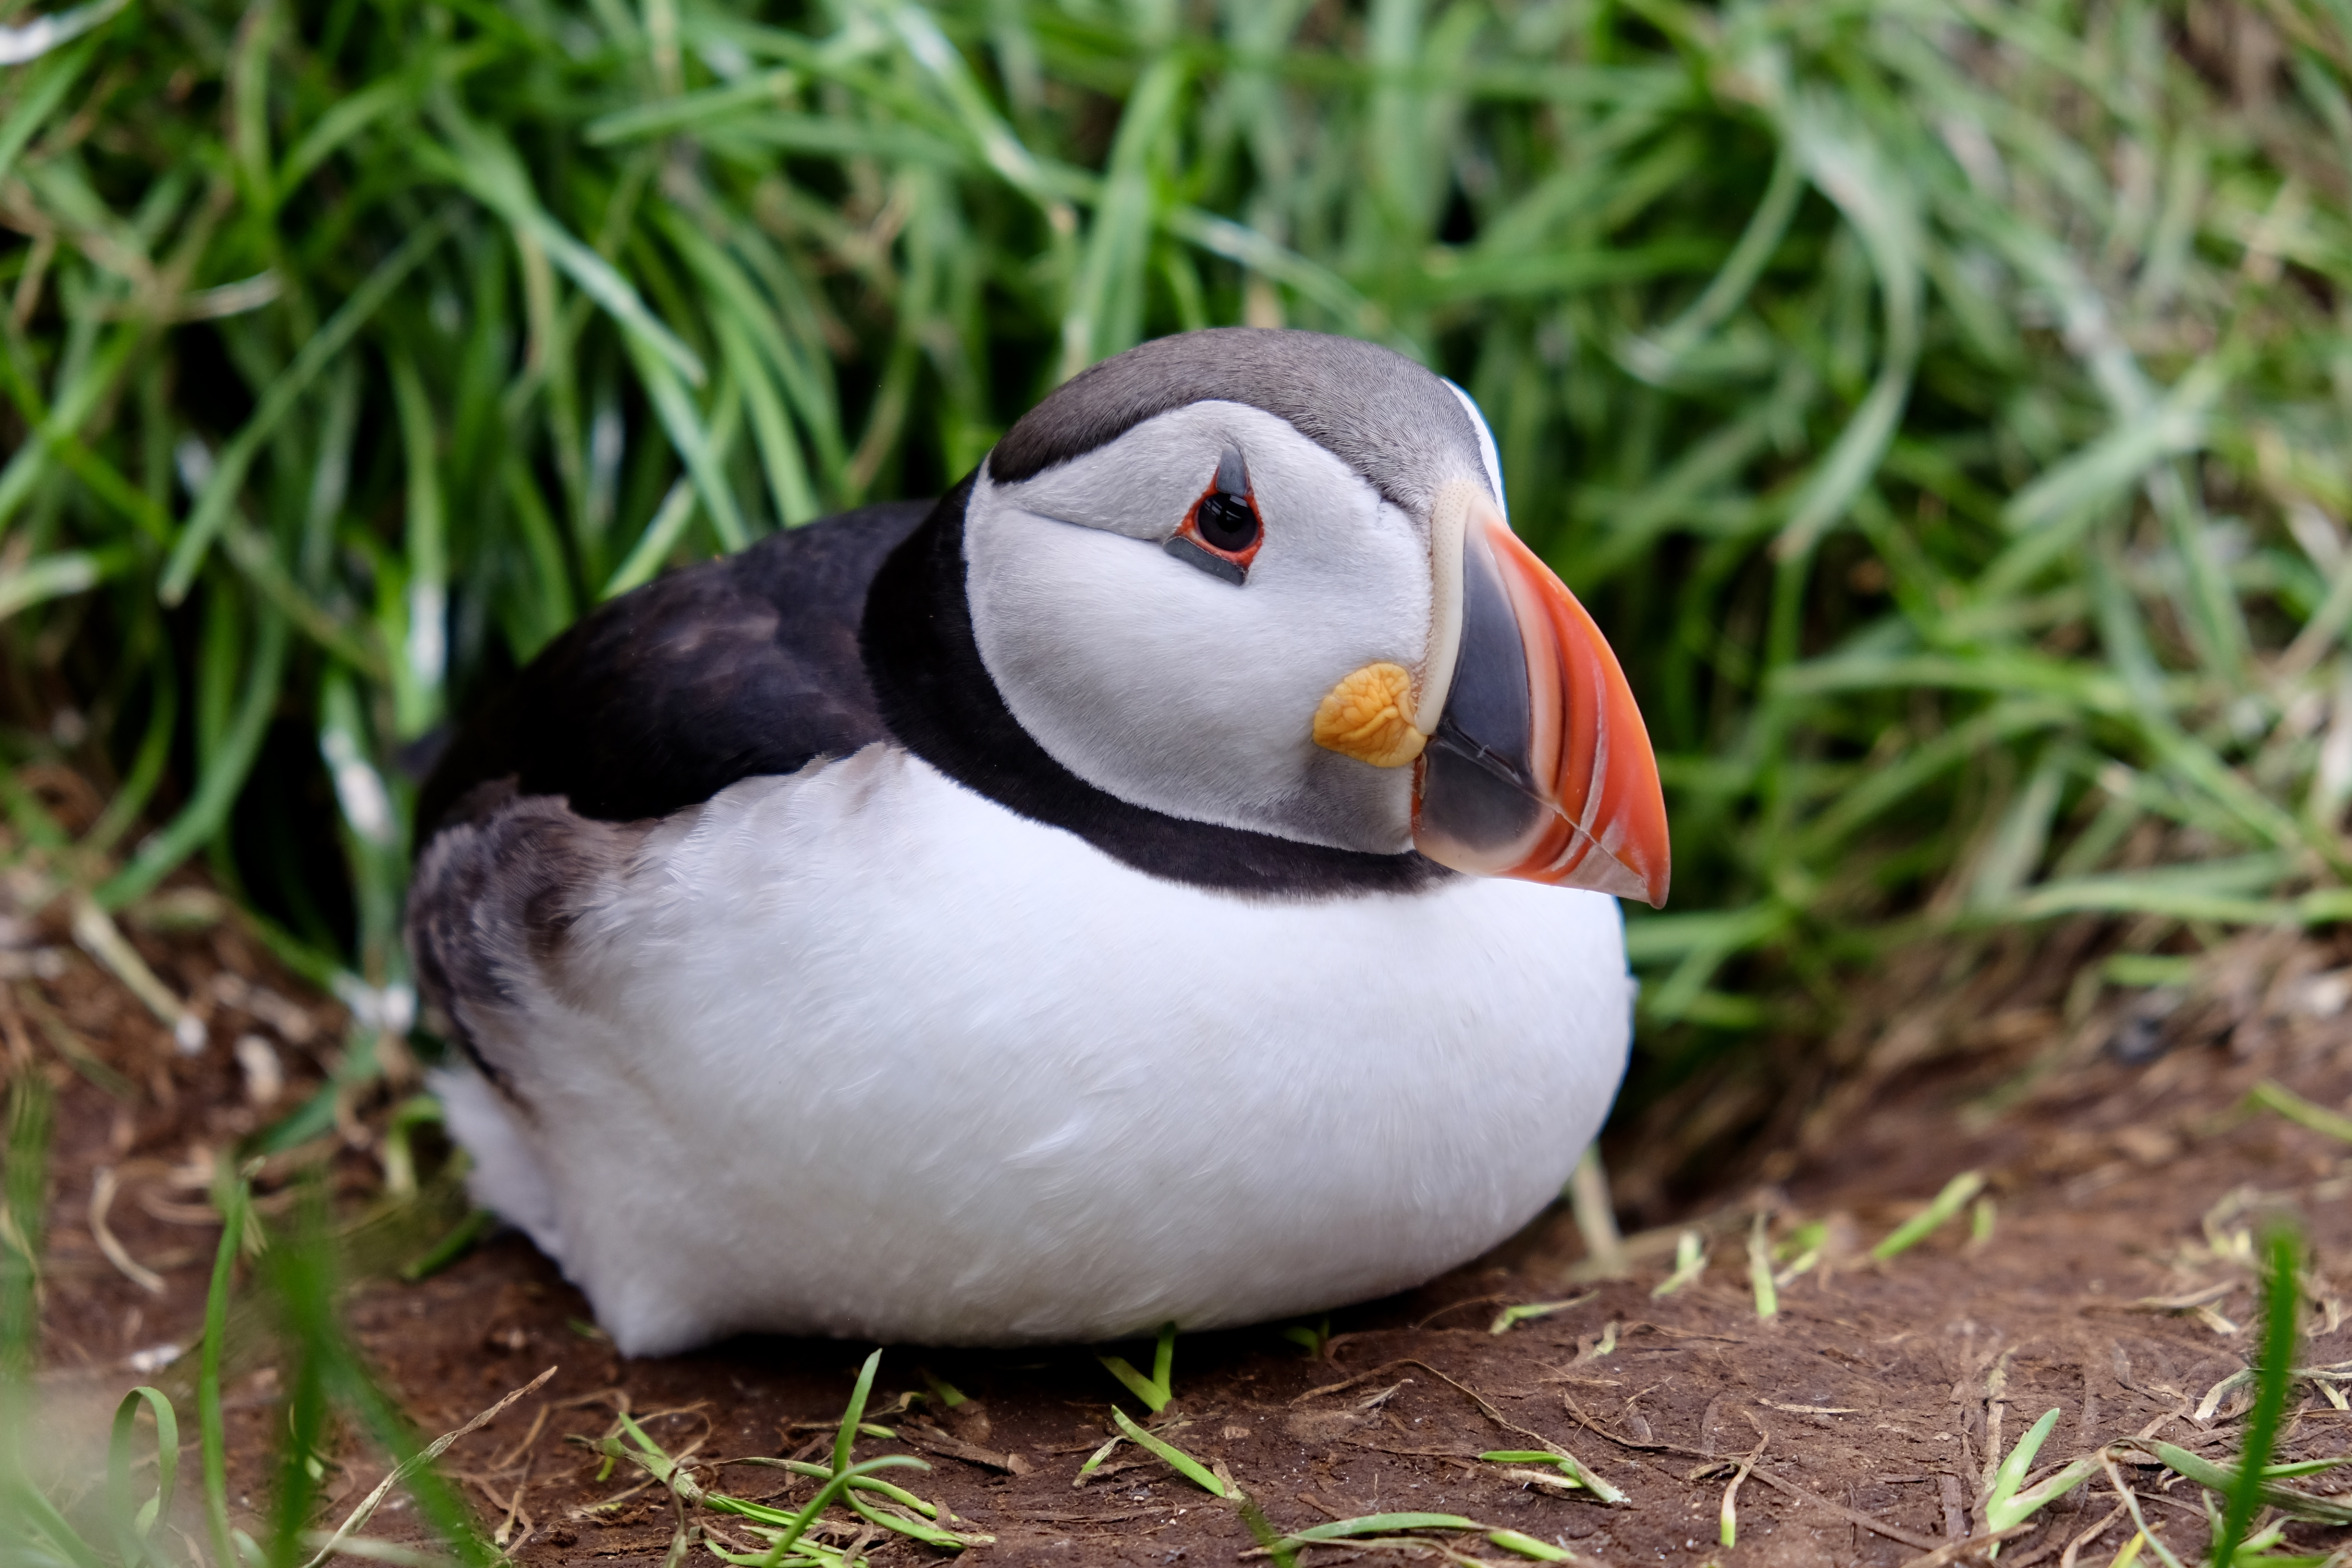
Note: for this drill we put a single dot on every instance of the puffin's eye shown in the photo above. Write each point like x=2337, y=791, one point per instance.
x=1222, y=534
x=1227, y=523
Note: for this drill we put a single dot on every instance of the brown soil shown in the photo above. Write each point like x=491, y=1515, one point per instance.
x=1873, y=1404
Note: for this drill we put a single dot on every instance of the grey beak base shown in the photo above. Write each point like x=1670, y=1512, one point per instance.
x=1476, y=790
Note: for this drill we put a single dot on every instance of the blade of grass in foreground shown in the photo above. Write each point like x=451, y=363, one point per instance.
x=135, y=1523
x=2281, y=1294
x=211, y=1431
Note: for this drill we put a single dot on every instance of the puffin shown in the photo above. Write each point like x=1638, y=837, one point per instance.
x=1170, y=879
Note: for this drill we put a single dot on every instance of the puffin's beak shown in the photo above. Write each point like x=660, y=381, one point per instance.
x=1529, y=755
x=1538, y=765
x=1530, y=759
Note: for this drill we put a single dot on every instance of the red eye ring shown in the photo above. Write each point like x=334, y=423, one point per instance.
x=1220, y=499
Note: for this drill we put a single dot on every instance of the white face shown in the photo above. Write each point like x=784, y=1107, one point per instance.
x=1176, y=689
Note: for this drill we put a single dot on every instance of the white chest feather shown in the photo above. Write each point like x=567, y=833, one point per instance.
x=860, y=1052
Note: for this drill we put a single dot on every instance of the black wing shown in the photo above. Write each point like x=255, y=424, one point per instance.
x=662, y=698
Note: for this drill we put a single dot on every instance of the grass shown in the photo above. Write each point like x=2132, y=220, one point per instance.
x=117, y=1528
x=1368, y=1531
x=2286, y=1102
x=1559, y=1470
x=2009, y=1501
x=1169, y=1454
x=1409, y=1533
x=1156, y=1390
x=847, y=1481
x=2281, y=1294
x=1940, y=1210
x=111, y=1525
x=1690, y=1261
x=1760, y=1275
x=2255, y=1501
x=1527, y=1311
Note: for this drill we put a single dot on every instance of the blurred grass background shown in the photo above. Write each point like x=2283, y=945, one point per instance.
x=1942, y=403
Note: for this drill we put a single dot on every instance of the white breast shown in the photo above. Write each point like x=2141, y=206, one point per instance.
x=859, y=1052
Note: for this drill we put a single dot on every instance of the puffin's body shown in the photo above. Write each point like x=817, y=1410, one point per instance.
x=1015, y=918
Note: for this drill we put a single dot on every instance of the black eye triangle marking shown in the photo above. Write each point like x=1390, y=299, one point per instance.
x=1209, y=561
x=1232, y=473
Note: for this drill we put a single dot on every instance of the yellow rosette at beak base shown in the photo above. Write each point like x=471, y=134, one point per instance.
x=1368, y=715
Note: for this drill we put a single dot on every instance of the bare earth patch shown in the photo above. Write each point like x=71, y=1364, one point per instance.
x=2116, y=1286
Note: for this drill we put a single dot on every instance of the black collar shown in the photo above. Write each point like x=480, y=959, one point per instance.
x=939, y=700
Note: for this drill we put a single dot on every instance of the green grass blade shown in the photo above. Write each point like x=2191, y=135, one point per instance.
x=1656, y=358
x=82, y=389
x=2281, y=1295
x=1151, y=1391
x=701, y=449
x=224, y=775
x=1377, y=1524
x=1169, y=1454
x=424, y=657
x=846, y=1437
x=24, y=1177
x=146, y=771
x=1106, y=305
x=2095, y=476
x=1164, y=1359
x=318, y=352
x=2278, y=1097
x=41, y=91
x=1760, y=1273
x=47, y=1523
x=2226, y=1479
x=1940, y=1209
x=1002, y=149
x=133, y=1522
x=211, y=1431
x=1851, y=170
x=827, y=1494
x=2011, y=1474
x=1527, y=1311
x=492, y=173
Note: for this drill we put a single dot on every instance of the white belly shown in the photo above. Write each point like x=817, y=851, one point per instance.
x=859, y=1052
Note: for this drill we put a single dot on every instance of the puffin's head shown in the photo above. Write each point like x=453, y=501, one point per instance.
x=1263, y=579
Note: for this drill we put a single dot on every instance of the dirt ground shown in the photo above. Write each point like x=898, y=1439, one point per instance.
x=2126, y=1172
